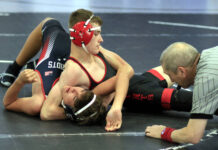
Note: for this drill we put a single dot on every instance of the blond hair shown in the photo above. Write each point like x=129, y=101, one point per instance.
x=178, y=54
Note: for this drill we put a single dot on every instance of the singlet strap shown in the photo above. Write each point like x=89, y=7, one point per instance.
x=83, y=68
x=93, y=82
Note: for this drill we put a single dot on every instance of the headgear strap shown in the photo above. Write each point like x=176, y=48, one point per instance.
x=81, y=33
x=86, y=106
x=70, y=113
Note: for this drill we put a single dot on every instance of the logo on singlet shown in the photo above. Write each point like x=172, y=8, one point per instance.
x=48, y=73
x=142, y=97
x=57, y=64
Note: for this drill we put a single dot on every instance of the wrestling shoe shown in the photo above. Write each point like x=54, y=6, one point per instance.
x=6, y=79
x=11, y=73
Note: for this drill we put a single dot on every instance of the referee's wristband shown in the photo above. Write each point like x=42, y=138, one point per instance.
x=166, y=134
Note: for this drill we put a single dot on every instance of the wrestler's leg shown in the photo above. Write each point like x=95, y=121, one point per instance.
x=30, y=49
x=181, y=100
x=31, y=46
x=155, y=97
x=160, y=75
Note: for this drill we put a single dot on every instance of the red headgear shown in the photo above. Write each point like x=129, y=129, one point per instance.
x=81, y=33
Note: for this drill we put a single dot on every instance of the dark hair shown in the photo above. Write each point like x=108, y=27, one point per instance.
x=83, y=15
x=93, y=114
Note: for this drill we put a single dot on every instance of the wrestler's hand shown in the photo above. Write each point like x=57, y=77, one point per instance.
x=154, y=131
x=113, y=120
x=27, y=76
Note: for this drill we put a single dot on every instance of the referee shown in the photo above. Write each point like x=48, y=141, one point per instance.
x=186, y=66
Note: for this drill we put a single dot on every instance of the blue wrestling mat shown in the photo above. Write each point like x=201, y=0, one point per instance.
x=139, y=39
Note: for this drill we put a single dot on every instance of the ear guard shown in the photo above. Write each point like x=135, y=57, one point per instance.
x=81, y=33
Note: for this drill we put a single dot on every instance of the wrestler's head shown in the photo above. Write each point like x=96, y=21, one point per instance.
x=85, y=29
x=83, y=106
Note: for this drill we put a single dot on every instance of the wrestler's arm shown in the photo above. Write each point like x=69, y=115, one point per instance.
x=192, y=133
x=51, y=109
x=124, y=73
x=12, y=102
x=106, y=87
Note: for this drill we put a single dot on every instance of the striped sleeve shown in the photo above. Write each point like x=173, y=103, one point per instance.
x=205, y=92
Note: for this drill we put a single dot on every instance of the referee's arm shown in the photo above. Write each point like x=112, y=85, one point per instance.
x=192, y=133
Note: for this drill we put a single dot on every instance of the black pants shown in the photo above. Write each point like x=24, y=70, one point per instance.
x=149, y=92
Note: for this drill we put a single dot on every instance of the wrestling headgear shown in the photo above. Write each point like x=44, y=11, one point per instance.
x=72, y=115
x=81, y=33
